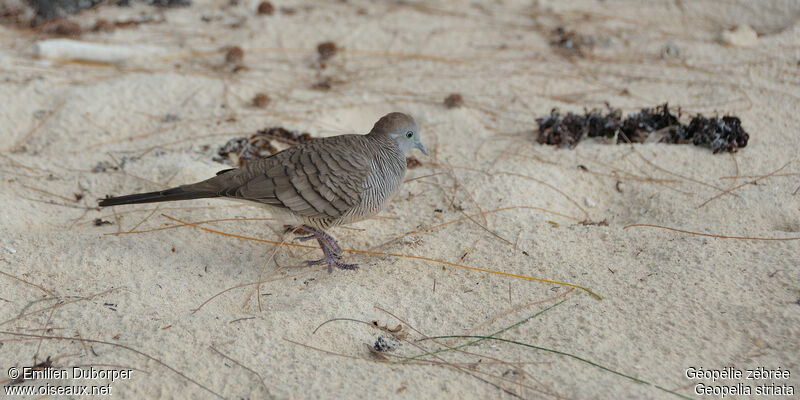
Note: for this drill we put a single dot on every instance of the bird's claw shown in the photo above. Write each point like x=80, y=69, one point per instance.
x=331, y=249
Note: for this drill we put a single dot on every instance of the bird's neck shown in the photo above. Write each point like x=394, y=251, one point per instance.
x=388, y=155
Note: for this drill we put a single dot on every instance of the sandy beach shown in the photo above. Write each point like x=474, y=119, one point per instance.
x=504, y=268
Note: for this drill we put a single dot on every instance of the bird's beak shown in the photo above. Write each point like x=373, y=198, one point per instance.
x=421, y=147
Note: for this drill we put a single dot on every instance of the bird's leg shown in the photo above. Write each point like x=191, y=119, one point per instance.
x=330, y=248
x=331, y=260
x=321, y=237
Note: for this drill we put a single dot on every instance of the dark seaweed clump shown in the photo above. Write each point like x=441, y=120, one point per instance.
x=649, y=124
x=719, y=134
x=48, y=10
x=568, y=130
x=238, y=151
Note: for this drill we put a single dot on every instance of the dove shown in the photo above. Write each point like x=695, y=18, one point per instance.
x=316, y=185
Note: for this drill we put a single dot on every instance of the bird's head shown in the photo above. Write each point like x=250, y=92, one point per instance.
x=402, y=129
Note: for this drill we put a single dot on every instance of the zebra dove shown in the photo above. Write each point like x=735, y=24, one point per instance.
x=318, y=184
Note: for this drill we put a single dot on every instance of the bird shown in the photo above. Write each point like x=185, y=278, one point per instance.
x=317, y=184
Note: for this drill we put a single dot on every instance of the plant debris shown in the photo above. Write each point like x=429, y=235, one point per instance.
x=47, y=10
x=34, y=13
x=719, y=134
x=265, y=8
x=46, y=364
x=656, y=124
x=412, y=162
x=101, y=222
x=234, y=55
x=587, y=222
x=238, y=151
x=324, y=85
x=569, y=43
x=63, y=28
x=102, y=25
x=380, y=326
x=326, y=50
x=159, y=3
x=261, y=100
x=103, y=166
x=454, y=101
x=170, y=118
x=383, y=345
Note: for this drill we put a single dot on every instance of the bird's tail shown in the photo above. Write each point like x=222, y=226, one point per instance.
x=177, y=193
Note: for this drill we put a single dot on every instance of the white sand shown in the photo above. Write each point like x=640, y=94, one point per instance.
x=670, y=301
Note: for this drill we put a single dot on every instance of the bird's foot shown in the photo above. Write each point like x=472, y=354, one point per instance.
x=324, y=240
x=329, y=246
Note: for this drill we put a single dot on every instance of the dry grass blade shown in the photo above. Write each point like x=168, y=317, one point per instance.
x=716, y=236
x=67, y=199
x=557, y=190
x=60, y=304
x=264, y=269
x=447, y=348
x=652, y=164
x=339, y=319
x=184, y=225
x=493, y=335
x=38, y=126
x=260, y=378
x=251, y=284
x=490, y=212
x=592, y=363
x=122, y=346
x=378, y=253
x=753, y=182
x=42, y=288
x=517, y=308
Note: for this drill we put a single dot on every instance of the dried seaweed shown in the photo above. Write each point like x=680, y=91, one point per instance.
x=45, y=11
x=657, y=124
x=238, y=151
x=719, y=134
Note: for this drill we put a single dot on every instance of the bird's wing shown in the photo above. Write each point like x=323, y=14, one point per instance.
x=320, y=179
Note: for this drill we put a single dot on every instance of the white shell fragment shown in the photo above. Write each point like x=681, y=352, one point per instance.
x=75, y=50
x=742, y=36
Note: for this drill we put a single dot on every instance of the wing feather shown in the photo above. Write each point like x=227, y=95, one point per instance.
x=321, y=179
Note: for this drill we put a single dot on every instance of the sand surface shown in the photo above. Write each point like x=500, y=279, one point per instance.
x=670, y=300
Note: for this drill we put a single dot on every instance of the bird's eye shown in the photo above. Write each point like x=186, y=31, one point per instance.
x=409, y=134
